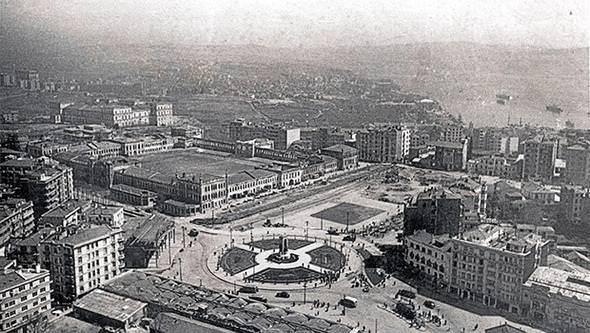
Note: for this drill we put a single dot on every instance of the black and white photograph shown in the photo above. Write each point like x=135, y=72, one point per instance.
x=294, y=166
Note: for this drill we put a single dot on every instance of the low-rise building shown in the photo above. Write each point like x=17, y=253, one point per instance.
x=133, y=196
x=558, y=300
x=346, y=156
x=26, y=299
x=82, y=261
x=110, y=310
x=68, y=213
x=250, y=182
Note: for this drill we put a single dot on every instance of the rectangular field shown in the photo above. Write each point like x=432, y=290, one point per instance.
x=193, y=161
x=356, y=213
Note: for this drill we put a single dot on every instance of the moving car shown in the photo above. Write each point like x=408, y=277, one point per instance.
x=248, y=289
x=349, y=302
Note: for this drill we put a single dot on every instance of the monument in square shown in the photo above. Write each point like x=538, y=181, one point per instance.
x=283, y=256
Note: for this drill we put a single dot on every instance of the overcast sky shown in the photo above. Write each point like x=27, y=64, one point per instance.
x=548, y=23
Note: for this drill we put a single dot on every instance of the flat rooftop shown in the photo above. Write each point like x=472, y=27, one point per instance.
x=568, y=284
x=109, y=305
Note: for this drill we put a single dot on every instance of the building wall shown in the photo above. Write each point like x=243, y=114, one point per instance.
x=383, y=145
x=26, y=303
x=78, y=269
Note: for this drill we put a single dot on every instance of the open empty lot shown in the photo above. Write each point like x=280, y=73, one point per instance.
x=356, y=213
x=193, y=161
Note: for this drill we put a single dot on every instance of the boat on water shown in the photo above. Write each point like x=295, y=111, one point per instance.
x=553, y=108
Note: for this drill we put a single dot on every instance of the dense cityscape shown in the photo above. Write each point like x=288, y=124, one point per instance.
x=224, y=189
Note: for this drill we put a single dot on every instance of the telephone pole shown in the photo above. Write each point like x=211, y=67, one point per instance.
x=180, y=267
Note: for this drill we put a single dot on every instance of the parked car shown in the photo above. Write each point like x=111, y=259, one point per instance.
x=282, y=294
x=429, y=304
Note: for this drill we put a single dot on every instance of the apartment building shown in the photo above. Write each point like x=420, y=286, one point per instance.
x=26, y=298
x=577, y=169
x=110, y=115
x=490, y=264
x=82, y=261
x=282, y=136
x=453, y=133
x=161, y=114
x=451, y=156
x=387, y=144
x=574, y=203
x=47, y=184
x=108, y=215
x=430, y=255
x=324, y=137
x=436, y=210
x=540, y=154
x=16, y=220
x=497, y=166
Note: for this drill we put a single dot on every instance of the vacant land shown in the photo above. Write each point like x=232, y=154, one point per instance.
x=193, y=161
x=345, y=212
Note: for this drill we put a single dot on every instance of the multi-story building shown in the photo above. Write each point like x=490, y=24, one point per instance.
x=540, y=154
x=387, y=144
x=346, y=156
x=577, y=170
x=28, y=79
x=82, y=261
x=250, y=182
x=16, y=220
x=26, y=299
x=435, y=210
x=574, y=202
x=324, y=137
x=451, y=156
x=207, y=191
x=497, y=166
x=108, y=215
x=47, y=184
x=489, y=266
x=430, y=255
x=558, y=300
x=161, y=114
x=453, y=133
x=283, y=137
x=110, y=115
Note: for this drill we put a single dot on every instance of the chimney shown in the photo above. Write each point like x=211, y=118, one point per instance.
x=37, y=268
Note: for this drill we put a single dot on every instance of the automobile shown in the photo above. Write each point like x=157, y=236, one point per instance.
x=193, y=233
x=248, y=289
x=258, y=299
x=57, y=312
x=282, y=294
x=429, y=304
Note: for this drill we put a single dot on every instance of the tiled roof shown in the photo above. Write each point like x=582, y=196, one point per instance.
x=86, y=235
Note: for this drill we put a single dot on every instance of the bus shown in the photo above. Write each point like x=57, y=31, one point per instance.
x=349, y=302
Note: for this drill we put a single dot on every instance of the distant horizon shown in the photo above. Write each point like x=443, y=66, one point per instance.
x=305, y=23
